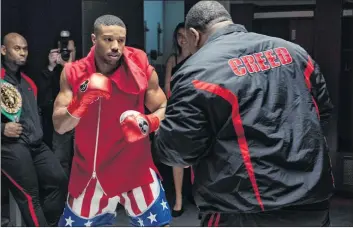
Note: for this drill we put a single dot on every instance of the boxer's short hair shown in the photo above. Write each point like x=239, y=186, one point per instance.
x=205, y=14
x=108, y=20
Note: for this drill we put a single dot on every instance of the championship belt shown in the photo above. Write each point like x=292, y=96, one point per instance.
x=11, y=101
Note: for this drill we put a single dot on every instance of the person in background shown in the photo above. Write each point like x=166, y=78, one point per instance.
x=180, y=55
x=48, y=89
x=35, y=177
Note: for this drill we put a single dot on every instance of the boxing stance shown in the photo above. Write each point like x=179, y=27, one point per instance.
x=103, y=96
x=245, y=112
x=35, y=177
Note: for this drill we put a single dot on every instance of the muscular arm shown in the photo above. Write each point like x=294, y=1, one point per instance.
x=155, y=99
x=62, y=120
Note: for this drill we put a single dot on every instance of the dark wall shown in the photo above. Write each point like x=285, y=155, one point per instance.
x=273, y=27
x=188, y=4
x=345, y=121
x=10, y=17
x=304, y=33
x=243, y=14
x=327, y=52
x=40, y=22
x=282, y=27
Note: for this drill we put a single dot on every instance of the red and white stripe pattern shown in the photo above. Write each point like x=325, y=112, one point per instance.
x=93, y=202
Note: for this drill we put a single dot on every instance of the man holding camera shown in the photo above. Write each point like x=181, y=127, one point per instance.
x=49, y=86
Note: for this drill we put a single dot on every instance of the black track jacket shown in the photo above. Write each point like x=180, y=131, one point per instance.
x=246, y=112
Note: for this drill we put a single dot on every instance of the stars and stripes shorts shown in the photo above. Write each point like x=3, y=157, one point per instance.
x=145, y=205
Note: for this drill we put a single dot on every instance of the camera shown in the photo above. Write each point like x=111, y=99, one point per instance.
x=63, y=43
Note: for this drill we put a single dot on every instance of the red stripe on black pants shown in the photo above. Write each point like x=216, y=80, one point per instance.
x=30, y=170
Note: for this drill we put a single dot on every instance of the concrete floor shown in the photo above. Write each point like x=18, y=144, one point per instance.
x=341, y=215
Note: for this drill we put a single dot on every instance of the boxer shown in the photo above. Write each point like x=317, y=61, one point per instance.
x=247, y=112
x=103, y=96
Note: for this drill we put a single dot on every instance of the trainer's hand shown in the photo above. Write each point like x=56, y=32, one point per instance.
x=94, y=87
x=13, y=130
x=136, y=126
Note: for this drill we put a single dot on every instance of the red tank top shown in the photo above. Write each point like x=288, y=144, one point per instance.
x=118, y=166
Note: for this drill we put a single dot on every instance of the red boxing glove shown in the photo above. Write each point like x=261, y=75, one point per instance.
x=137, y=126
x=94, y=87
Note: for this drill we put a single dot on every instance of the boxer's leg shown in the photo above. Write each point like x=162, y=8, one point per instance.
x=91, y=208
x=147, y=205
x=17, y=166
x=53, y=183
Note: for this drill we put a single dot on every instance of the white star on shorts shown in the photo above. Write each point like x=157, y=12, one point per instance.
x=140, y=222
x=164, y=205
x=152, y=217
x=88, y=223
x=69, y=221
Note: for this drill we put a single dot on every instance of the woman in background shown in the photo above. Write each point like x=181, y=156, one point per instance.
x=174, y=62
x=179, y=56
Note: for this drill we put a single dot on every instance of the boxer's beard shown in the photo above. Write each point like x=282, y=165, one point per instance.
x=113, y=66
x=111, y=62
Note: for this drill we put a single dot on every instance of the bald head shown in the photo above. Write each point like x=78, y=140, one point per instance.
x=13, y=37
x=202, y=20
x=14, y=49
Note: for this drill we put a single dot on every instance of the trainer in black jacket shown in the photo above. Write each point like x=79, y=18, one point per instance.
x=35, y=177
x=245, y=112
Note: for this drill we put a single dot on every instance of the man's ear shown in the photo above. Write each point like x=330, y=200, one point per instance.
x=196, y=35
x=3, y=50
x=93, y=38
